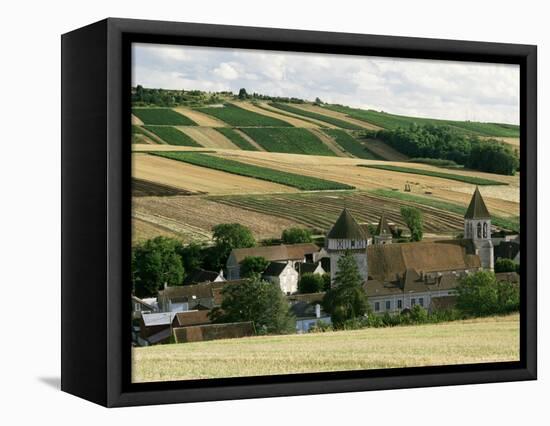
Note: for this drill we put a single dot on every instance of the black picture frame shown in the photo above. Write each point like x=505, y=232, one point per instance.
x=96, y=167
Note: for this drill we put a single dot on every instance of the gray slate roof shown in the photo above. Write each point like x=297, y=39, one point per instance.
x=477, y=208
x=346, y=228
x=274, y=269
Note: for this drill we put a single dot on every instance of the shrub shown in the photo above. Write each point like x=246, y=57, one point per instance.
x=481, y=294
x=252, y=266
x=311, y=283
x=296, y=236
x=505, y=265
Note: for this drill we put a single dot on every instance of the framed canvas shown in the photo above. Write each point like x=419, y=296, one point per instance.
x=255, y=212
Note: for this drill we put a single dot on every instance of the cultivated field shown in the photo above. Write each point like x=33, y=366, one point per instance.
x=344, y=124
x=191, y=218
x=238, y=117
x=239, y=139
x=208, y=137
x=352, y=145
x=172, y=135
x=323, y=111
x=288, y=140
x=319, y=210
x=307, y=183
x=502, y=200
x=392, y=121
x=293, y=121
x=162, y=116
x=494, y=339
x=201, y=119
x=198, y=179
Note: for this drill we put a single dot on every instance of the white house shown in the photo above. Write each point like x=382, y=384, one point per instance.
x=284, y=275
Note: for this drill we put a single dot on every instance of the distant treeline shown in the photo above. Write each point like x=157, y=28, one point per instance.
x=142, y=96
x=442, y=142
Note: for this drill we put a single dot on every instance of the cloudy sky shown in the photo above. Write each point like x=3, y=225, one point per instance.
x=424, y=88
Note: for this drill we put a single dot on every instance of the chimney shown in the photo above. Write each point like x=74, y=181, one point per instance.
x=317, y=311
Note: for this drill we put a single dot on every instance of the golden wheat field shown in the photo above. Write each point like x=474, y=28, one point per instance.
x=482, y=340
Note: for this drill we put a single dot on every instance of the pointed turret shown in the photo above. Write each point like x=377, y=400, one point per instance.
x=346, y=227
x=383, y=233
x=347, y=235
x=477, y=208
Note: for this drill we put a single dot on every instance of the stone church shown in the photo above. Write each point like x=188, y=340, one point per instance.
x=400, y=275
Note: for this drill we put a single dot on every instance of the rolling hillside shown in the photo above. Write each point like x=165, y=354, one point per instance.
x=272, y=164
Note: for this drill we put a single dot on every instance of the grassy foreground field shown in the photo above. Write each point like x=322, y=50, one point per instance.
x=461, y=342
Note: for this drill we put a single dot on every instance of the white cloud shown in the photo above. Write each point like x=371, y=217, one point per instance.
x=440, y=89
x=226, y=71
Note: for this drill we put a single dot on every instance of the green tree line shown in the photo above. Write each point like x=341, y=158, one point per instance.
x=442, y=142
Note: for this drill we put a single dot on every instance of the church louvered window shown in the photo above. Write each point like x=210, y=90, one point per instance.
x=479, y=230
x=485, y=230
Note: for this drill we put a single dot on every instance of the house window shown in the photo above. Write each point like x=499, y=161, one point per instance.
x=479, y=230
x=376, y=306
x=388, y=305
x=399, y=304
x=413, y=302
x=421, y=301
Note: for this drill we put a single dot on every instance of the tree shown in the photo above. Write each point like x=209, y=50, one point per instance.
x=156, y=262
x=258, y=301
x=482, y=294
x=242, y=93
x=192, y=256
x=311, y=283
x=296, y=236
x=318, y=101
x=414, y=221
x=228, y=236
x=505, y=265
x=346, y=299
x=253, y=266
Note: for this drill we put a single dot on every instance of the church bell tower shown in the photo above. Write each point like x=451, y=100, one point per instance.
x=477, y=227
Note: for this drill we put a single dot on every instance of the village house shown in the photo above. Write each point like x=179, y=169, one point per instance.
x=284, y=275
x=141, y=306
x=282, y=253
x=310, y=268
x=308, y=311
x=202, y=296
x=203, y=276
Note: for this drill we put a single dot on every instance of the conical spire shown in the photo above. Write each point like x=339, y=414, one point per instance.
x=477, y=208
x=383, y=227
x=346, y=228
